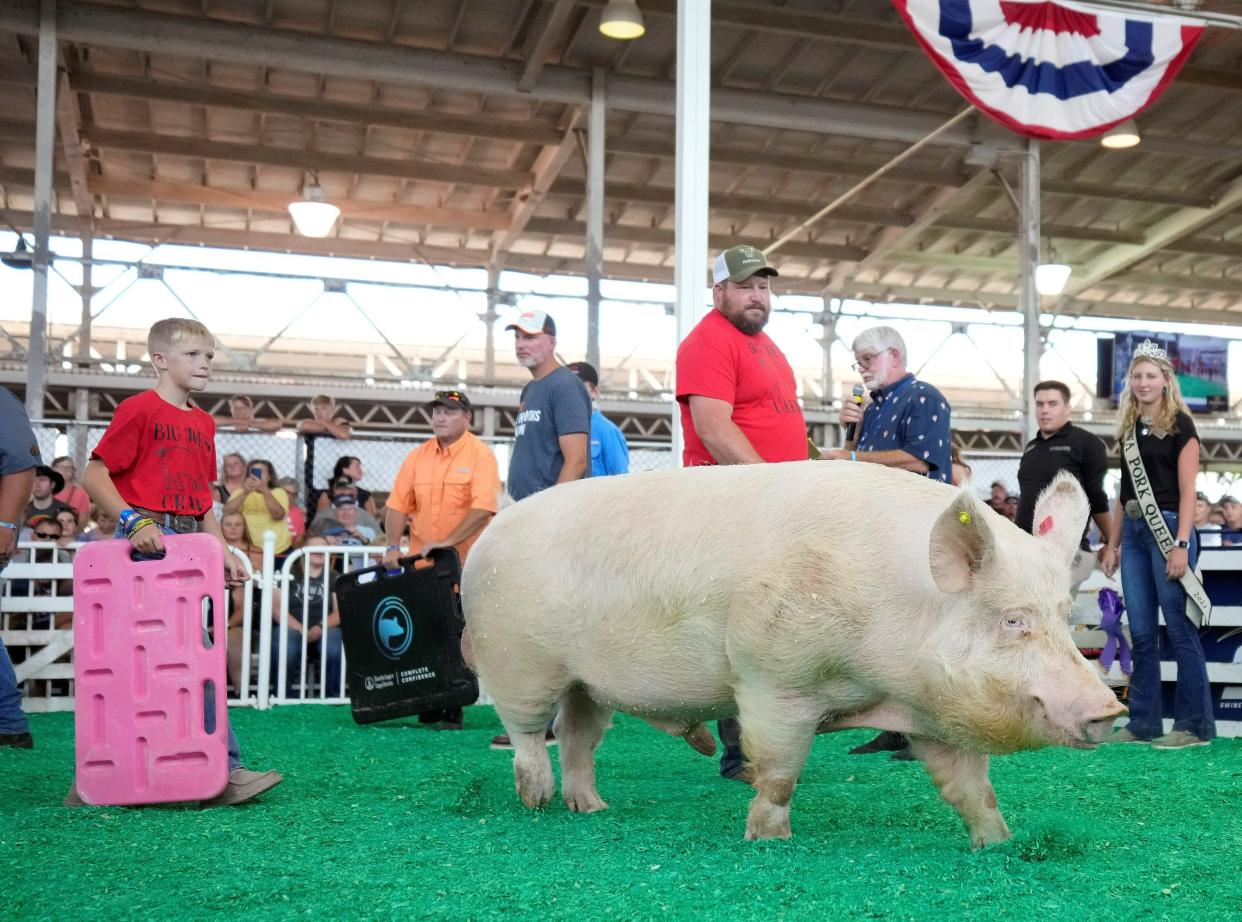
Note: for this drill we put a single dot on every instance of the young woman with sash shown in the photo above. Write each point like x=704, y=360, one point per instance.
x=1153, y=535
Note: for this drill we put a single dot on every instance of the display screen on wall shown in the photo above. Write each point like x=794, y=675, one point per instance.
x=1201, y=363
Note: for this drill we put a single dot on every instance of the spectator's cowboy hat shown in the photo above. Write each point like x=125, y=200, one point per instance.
x=58, y=482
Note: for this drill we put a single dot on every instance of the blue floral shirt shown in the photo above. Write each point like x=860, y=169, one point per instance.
x=912, y=416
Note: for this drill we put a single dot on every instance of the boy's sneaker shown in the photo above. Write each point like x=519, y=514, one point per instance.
x=1124, y=736
x=243, y=785
x=1179, y=739
x=17, y=740
x=503, y=742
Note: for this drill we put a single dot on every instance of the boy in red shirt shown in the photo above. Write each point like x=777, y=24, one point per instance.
x=153, y=471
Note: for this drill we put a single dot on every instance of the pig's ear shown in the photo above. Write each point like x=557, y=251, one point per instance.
x=1061, y=515
x=961, y=544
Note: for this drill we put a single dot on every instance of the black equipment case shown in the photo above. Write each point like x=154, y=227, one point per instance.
x=402, y=635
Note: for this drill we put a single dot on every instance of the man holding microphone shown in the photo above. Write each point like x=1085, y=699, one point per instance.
x=905, y=426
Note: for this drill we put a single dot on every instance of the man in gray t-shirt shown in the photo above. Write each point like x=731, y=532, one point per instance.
x=552, y=434
x=19, y=455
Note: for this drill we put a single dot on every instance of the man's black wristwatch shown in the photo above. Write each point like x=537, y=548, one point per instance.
x=1184, y=545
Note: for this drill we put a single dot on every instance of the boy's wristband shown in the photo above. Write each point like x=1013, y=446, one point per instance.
x=8, y=525
x=125, y=516
x=137, y=525
x=393, y=547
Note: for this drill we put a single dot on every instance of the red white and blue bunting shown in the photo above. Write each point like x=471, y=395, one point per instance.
x=1051, y=70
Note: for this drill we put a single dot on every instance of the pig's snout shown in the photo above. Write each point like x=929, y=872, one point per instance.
x=1084, y=724
x=1096, y=729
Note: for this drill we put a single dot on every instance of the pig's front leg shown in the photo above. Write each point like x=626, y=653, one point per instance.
x=962, y=779
x=777, y=744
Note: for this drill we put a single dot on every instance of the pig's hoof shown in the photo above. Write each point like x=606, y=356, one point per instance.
x=991, y=835
x=701, y=740
x=535, y=787
x=584, y=802
x=767, y=821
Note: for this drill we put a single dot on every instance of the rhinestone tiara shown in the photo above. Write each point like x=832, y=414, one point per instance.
x=1149, y=350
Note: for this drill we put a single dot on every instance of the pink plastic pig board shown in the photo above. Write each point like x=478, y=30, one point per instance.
x=142, y=667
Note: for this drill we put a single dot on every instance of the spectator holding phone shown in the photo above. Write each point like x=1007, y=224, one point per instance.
x=264, y=505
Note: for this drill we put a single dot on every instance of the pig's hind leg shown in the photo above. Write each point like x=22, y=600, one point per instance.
x=962, y=779
x=580, y=725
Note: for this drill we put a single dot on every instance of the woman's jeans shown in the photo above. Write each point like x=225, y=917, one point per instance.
x=1146, y=589
x=209, y=703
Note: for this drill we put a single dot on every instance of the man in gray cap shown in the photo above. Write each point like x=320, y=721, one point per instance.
x=551, y=435
x=739, y=402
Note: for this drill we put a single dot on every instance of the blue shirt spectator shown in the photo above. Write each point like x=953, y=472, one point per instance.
x=609, y=452
x=912, y=416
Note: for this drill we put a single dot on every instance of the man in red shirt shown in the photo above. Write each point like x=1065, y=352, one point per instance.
x=739, y=402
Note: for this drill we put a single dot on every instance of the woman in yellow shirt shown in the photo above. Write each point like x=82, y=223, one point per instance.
x=263, y=504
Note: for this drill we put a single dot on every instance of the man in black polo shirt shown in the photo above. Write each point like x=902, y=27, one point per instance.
x=1061, y=446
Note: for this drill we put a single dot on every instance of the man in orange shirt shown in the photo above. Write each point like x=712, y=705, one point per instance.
x=448, y=489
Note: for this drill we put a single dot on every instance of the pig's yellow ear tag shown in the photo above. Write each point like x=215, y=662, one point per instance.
x=964, y=517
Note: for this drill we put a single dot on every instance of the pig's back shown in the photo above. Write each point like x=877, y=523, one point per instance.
x=644, y=550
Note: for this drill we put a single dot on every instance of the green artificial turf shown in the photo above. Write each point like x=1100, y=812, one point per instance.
x=396, y=820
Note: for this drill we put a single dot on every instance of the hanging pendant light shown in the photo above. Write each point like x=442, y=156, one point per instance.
x=622, y=19
x=312, y=216
x=1121, y=136
x=1050, y=278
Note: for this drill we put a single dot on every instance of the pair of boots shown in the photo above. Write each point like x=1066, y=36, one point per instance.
x=887, y=741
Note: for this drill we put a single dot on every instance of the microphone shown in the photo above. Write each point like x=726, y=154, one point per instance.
x=852, y=429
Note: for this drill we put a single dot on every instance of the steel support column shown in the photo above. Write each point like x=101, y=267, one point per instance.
x=45, y=139
x=694, y=27
x=595, y=214
x=1028, y=295
x=82, y=396
x=489, y=321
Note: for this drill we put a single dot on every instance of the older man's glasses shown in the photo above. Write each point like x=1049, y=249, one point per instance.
x=866, y=361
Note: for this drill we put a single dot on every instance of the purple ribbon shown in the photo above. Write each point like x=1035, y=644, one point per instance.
x=1116, y=647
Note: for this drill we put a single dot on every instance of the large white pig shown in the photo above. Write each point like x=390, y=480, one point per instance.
x=801, y=597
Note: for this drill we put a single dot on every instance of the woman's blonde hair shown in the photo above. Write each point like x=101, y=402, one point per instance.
x=1165, y=419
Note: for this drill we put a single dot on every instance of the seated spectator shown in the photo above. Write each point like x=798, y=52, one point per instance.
x=47, y=483
x=348, y=532
x=68, y=520
x=73, y=494
x=241, y=417
x=264, y=505
x=324, y=420
x=349, y=468
x=102, y=526
x=47, y=530
x=233, y=528
x=1216, y=517
x=1000, y=493
x=297, y=518
x=961, y=470
x=1010, y=507
x=1231, y=531
x=305, y=595
x=326, y=518
x=1209, y=534
x=232, y=473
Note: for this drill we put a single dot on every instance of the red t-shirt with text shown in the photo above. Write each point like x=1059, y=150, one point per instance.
x=160, y=457
x=751, y=373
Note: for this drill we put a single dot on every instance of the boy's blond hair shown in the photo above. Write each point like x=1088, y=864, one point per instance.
x=172, y=331
x=322, y=400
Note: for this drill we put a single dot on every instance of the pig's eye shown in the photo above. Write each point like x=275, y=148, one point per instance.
x=1016, y=621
